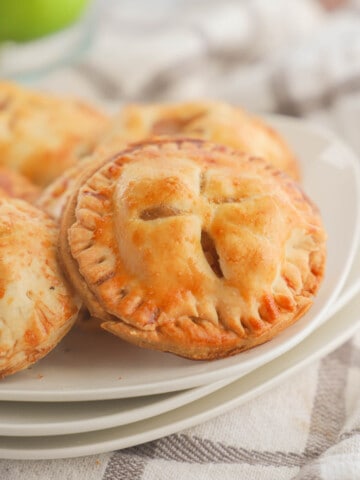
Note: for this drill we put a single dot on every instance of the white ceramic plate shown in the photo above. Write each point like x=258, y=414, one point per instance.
x=59, y=418
x=98, y=367
x=327, y=337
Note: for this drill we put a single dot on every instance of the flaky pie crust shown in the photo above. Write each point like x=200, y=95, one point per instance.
x=193, y=248
x=209, y=120
x=37, y=305
x=42, y=135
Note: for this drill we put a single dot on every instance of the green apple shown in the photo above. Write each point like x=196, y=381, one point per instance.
x=22, y=20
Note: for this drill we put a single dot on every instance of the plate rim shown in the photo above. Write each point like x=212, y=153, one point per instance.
x=152, y=409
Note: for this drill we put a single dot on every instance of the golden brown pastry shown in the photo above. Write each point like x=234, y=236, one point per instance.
x=37, y=305
x=209, y=120
x=42, y=135
x=15, y=185
x=192, y=248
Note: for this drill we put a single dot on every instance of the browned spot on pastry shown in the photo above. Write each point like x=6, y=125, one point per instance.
x=268, y=309
x=257, y=326
x=30, y=337
x=174, y=125
x=123, y=292
x=286, y=302
x=167, y=126
x=211, y=255
x=197, y=320
x=224, y=200
x=105, y=278
x=4, y=103
x=316, y=262
x=202, y=182
x=162, y=211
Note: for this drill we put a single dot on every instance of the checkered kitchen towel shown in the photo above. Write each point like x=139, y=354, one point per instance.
x=298, y=58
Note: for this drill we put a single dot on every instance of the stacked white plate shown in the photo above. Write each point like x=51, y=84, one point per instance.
x=95, y=394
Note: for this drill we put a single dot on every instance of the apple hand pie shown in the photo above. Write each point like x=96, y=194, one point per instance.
x=192, y=248
x=214, y=121
x=37, y=305
x=42, y=135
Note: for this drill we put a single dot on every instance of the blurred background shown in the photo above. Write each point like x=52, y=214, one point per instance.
x=298, y=58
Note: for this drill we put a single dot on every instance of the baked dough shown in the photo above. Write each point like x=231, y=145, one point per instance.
x=15, y=185
x=37, y=306
x=192, y=248
x=42, y=135
x=209, y=120
x=214, y=121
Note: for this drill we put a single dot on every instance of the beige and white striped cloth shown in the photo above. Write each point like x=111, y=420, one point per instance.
x=295, y=58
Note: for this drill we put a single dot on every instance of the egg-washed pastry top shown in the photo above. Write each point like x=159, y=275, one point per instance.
x=193, y=248
x=37, y=305
x=210, y=120
x=42, y=135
